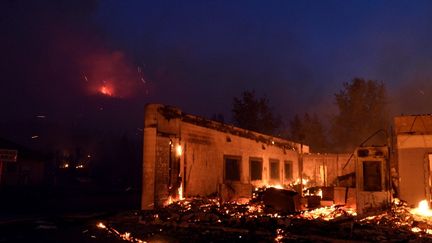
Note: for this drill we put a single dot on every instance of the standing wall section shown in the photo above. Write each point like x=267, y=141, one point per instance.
x=335, y=165
x=200, y=164
x=413, y=144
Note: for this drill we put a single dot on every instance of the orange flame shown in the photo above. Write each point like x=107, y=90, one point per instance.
x=327, y=213
x=179, y=197
x=101, y=225
x=422, y=209
x=277, y=186
x=180, y=192
x=105, y=90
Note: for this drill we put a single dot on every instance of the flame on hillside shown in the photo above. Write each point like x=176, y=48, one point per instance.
x=106, y=90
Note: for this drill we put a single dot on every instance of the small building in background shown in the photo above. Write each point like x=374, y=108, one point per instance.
x=20, y=166
x=373, y=190
x=187, y=155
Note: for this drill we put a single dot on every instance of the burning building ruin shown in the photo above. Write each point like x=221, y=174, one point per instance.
x=189, y=157
x=186, y=155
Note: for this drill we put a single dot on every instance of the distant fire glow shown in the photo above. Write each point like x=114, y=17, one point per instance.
x=105, y=90
x=112, y=74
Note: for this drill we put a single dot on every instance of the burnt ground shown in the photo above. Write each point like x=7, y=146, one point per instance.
x=203, y=220
x=54, y=230
x=74, y=216
x=61, y=215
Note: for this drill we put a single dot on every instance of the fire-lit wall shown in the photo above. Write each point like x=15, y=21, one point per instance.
x=323, y=169
x=200, y=157
x=413, y=146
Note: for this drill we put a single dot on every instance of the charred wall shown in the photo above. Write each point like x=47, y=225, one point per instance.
x=205, y=157
x=324, y=169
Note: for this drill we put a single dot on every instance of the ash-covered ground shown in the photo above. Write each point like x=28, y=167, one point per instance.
x=209, y=220
x=199, y=220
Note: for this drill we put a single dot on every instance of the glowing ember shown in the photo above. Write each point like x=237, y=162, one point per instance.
x=101, y=225
x=279, y=235
x=125, y=236
x=180, y=192
x=277, y=186
x=169, y=201
x=105, y=90
x=179, y=197
x=327, y=213
x=195, y=213
x=319, y=193
x=316, y=193
x=422, y=209
x=255, y=209
x=416, y=229
x=179, y=150
x=304, y=181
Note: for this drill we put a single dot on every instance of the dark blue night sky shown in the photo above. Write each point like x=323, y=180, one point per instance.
x=198, y=55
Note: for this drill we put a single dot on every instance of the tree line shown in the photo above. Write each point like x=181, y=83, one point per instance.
x=361, y=114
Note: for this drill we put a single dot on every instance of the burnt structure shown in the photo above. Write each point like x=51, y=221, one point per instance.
x=372, y=179
x=414, y=156
x=193, y=156
x=20, y=166
x=324, y=169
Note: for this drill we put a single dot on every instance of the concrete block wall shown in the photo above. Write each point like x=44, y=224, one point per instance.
x=205, y=151
x=204, y=146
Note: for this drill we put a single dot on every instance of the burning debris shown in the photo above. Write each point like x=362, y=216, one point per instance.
x=327, y=213
x=124, y=236
x=208, y=218
x=402, y=220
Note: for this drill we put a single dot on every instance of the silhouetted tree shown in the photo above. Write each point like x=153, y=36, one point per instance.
x=255, y=114
x=309, y=131
x=362, y=111
x=296, y=129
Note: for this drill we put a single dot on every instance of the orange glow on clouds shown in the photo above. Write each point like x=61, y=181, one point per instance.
x=111, y=74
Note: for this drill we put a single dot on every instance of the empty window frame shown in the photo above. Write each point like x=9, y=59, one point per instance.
x=232, y=168
x=274, y=169
x=256, y=168
x=372, y=176
x=288, y=170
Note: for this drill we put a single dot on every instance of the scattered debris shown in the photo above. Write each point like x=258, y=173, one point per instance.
x=198, y=219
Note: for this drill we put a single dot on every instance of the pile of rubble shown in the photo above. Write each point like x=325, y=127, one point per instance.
x=209, y=219
x=402, y=219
